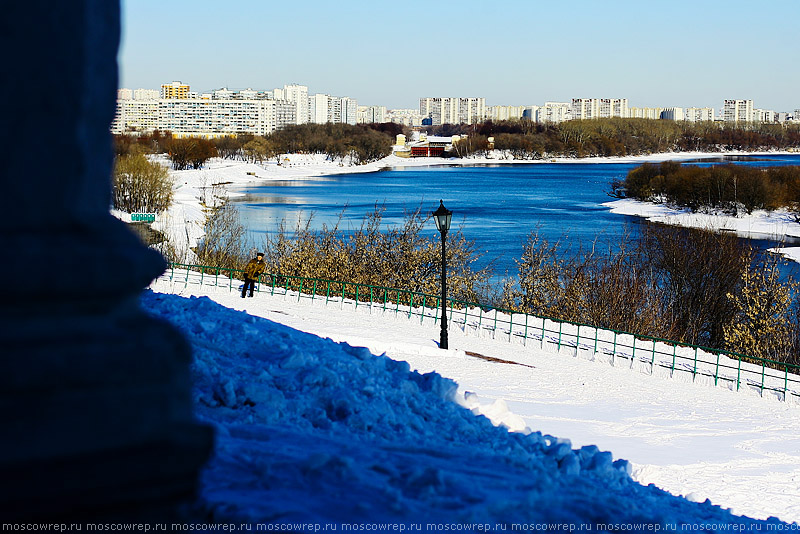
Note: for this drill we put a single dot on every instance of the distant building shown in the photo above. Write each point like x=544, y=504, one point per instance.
x=763, y=115
x=196, y=117
x=298, y=94
x=738, y=111
x=335, y=109
x=452, y=110
x=673, y=114
x=554, y=112
x=645, y=113
x=124, y=94
x=406, y=117
x=698, y=114
x=371, y=114
x=146, y=94
x=505, y=113
x=175, y=90
x=598, y=108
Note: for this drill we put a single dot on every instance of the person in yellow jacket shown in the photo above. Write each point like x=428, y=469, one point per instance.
x=252, y=271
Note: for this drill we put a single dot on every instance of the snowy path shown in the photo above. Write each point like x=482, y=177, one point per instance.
x=737, y=449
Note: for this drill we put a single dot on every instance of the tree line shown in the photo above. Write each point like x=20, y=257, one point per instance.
x=358, y=144
x=524, y=139
x=725, y=188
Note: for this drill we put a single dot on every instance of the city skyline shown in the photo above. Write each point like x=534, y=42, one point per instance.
x=516, y=53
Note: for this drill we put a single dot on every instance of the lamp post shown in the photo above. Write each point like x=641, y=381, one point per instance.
x=442, y=217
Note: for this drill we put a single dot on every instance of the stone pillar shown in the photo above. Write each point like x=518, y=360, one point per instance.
x=94, y=394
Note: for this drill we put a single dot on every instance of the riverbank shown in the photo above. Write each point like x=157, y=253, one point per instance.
x=777, y=225
x=198, y=190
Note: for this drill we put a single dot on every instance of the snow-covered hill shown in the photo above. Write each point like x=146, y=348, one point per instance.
x=313, y=430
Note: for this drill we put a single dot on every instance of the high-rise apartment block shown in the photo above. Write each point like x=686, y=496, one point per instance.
x=554, y=112
x=407, y=117
x=334, y=109
x=452, y=110
x=371, y=114
x=698, y=114
x=738, y=111
x=598, y=108
x=174, y=90
x=298, y=94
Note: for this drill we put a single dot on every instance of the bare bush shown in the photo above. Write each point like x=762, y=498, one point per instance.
x=140, y=185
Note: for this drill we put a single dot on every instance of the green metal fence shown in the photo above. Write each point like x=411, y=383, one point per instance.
x=658, y=355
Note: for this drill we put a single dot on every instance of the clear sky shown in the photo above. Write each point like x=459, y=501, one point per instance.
x=656, y=53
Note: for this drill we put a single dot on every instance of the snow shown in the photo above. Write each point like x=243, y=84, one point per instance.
x=328, y=413
x=774, y=224
x=183, y=222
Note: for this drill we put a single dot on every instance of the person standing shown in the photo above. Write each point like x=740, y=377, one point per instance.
x=252, y=271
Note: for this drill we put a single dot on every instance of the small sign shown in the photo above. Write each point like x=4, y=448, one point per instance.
x=143, y=217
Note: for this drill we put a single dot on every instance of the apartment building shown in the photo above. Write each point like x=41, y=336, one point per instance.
x=135, y=116
x=175, y=90
x=554, y=112
x=598, y=108
x=342, y=109
x=738, y=111
x=371, y=114
x=698, y=114
x=196, y=117
x=297, y=94
x=406, y=117
x=453, y=110
x=324, y=108
x=645, y=113
x=505, y=113
x=673, y=114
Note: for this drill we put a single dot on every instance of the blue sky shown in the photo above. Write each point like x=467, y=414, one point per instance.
x=512, y=52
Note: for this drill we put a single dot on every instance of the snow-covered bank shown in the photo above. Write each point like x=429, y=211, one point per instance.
x=773, y=225
x=735, y=448
x=195, y=189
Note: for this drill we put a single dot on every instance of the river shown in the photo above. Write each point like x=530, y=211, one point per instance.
x=497, y=206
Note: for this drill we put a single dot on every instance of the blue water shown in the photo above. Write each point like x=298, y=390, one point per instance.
x=497, y=206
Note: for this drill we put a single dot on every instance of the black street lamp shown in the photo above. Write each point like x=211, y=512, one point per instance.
x=442, y=217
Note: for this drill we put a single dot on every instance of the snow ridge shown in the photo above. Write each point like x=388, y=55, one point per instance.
x=316, y=431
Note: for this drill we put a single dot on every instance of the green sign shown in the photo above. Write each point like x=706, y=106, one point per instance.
x=143, y=217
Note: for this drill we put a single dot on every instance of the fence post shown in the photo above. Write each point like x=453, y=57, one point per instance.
x=328, y=293
x=370, y=298
x=672, y=370
x=614, y=348
x=300, y=291
x=763, y=371
x=578, y=341
x=422, y=315
x=785, y=381
x=738, y=373
x=314, y=291
x=511, y=326
x=716, y=371
x=411, y=305
x=694, y=371
x=525, y=341
x=358, y=286
x=653, y=359
x=560, y=326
